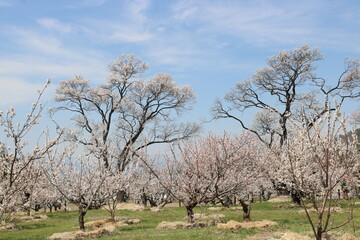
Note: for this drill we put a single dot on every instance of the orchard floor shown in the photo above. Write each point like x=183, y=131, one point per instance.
x=288, y=219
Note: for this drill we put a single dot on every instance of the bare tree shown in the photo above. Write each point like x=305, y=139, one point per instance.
x=126, y=111
x=277, y=88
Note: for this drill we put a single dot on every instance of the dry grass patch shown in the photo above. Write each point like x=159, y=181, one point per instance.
x=29, y=218
x=280, y=199
x=235, y=226
x=313, y=210
x=80, y=234
x=130, y=206
x=98, y=223
x=136, y=207
x=278, y=236
x=299, y=236
x=225, y=208
x=208, y=216
x=185, y=225
x=293, y=205
x=102, y=226
x=348, y=236
x=7, y=226
x=174, y=225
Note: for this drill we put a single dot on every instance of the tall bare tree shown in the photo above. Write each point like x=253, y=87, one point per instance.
x=126, y=111
x=286, y=87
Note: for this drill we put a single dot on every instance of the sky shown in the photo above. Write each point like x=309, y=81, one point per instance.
x=209, y=45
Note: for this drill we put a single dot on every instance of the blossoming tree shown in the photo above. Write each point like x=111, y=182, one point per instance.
x=126, y=111
x=18, y=156
x=77, y=177
x=206, y=168
x=315, y=162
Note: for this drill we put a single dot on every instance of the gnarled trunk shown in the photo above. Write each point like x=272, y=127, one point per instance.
x=319, y=233
x=144, y=199
x=190, y=213
x=121, y=196
x=81, y=216
x=246, y=210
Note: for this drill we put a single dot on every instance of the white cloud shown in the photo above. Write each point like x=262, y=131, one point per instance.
x=16, y=91
x=184, y=10
x=54, y=24
x=258, y=21
x=41, y=67
x=262, y=22
x=133, y=27
x=35, y=41
x=128, y=34
x=87, y=3
x=4, y=3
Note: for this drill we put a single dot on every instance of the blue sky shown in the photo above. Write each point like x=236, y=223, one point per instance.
x=209, y=45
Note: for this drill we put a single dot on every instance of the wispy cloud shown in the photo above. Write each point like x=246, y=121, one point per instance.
x=87, y=3
x=184, y=10
x=133, y=27
x=109, y=31
x=42, y=56
x=6, y=3
x=36, y=41
x=56, y=25
x=15, y=91
x=262, y=22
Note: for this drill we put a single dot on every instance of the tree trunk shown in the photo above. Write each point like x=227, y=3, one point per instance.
x=152, y=202
x=319, y=233
x=246, y=210
x=81, y=216
x=260, y=197
x=190, y=213
x=144, y=200
x=112, y=214
x=121, y=196
x=295, y=196
x=226, y=202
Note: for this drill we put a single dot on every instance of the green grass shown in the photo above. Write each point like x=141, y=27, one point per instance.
x=288, y=219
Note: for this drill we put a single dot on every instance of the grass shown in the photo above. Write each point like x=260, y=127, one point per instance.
x=288, y=219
